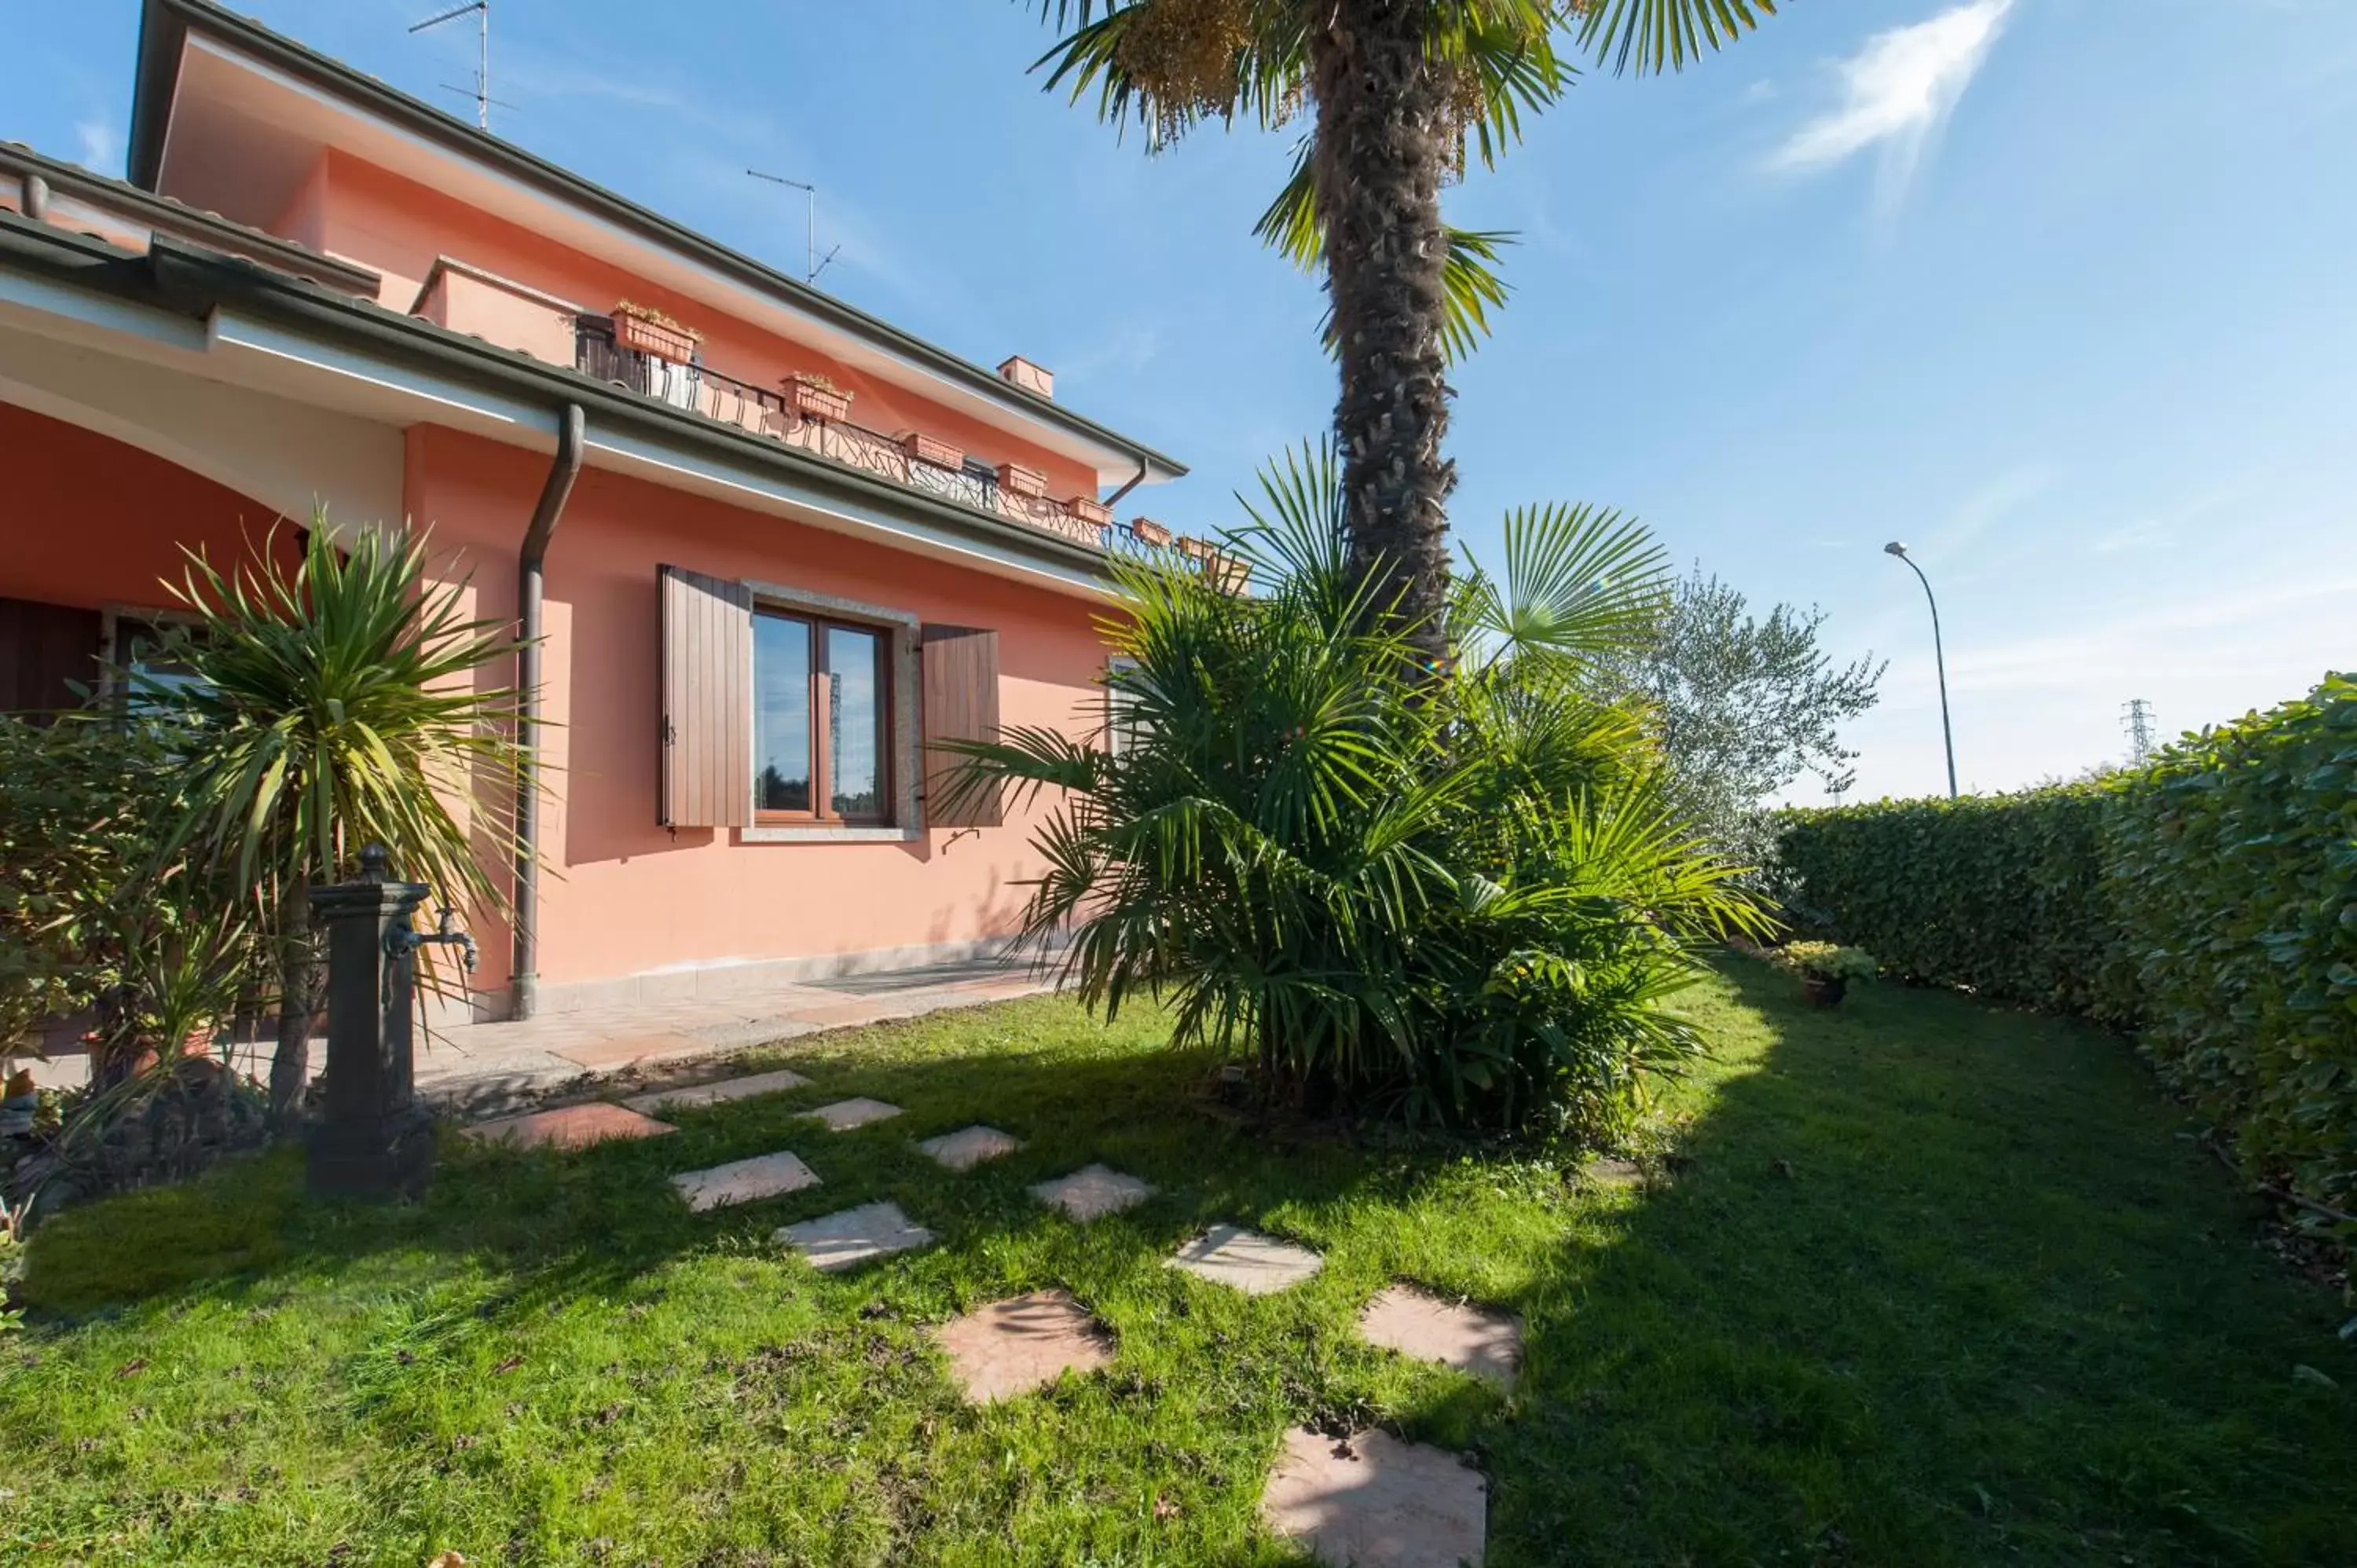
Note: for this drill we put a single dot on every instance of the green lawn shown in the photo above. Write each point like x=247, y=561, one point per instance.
x=1921, y=1282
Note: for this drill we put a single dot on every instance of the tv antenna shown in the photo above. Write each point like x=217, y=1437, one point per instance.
x=481, y=92
x=817, y=264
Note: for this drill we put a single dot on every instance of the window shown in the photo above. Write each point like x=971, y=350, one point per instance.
x=821, y=720
x=795, y=717
x=1121, y=719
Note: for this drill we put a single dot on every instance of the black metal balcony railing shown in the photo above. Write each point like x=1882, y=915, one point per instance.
x=768, y=412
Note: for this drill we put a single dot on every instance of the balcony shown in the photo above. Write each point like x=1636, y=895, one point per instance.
x=766, y=411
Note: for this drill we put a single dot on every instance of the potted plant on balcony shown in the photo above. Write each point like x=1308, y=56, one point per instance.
x=1149, y=533
x=649, y=331
x=925, y=448
x=1017, y=480
x=814, y=397
x=1090, y=510
x=1825, y=969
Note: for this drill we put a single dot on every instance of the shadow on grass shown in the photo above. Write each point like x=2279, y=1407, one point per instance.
x=1928, y=1282
x=565, y=1224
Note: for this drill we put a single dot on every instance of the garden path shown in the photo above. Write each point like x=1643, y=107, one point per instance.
x=1361, y=1497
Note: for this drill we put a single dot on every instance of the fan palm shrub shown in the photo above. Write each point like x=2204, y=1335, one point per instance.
x=324, y=708
x=1446, y=892
x=1400, y=94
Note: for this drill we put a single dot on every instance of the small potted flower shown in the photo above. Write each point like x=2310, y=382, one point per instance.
x=649, y=331
x=1825, y=969
x=815, y=397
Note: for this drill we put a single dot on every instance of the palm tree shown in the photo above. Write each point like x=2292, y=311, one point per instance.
x=319, y=711
x=1454, y=897
x=1401, y=92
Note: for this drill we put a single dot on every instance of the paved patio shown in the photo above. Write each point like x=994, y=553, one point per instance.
x=480, y=1067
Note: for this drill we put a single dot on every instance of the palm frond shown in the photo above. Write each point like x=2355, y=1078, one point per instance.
x=1649, y=36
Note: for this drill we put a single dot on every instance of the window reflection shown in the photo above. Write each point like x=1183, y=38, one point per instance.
x=781, y=715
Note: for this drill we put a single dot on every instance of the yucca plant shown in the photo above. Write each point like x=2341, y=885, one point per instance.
x=326, y=708
x=1448, y=892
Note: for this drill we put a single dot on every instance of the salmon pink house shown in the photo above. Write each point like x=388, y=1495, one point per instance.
x=771, y=546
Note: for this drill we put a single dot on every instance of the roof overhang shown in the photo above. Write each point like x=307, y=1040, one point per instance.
x=247, y=326
x=221, y=103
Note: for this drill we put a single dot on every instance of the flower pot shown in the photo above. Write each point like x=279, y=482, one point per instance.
x=1017, y=480
x=1149, y=533
x=664, y=339
x=1822, y=992
x=1090, y=510
x=926, y=449
x=807, y=396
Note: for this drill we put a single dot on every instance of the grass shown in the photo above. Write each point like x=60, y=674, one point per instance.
x=1923, y=1283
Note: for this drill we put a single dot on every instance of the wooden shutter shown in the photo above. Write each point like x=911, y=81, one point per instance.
x=708, y=702
x=44, y=651
x=961, y=685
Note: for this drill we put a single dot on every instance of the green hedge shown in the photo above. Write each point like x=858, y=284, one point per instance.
x=2210, y=902
x=2232, y=871
x=1999, y=895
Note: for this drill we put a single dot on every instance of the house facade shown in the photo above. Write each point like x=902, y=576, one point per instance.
x=769, y=547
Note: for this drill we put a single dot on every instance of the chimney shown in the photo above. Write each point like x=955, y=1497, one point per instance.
x=1020, y=372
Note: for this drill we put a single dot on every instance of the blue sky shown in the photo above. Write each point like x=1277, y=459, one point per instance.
x=2057, y=291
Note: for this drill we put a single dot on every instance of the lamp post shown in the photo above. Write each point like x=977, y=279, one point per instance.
x=1939, y=655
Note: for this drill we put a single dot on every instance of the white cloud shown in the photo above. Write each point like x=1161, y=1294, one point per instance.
x=101, y=146
x=1898, y=91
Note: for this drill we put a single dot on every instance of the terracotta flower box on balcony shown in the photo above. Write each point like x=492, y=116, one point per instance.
x=1222, y=569
x=1149, y=533
x=926, y=449
x=649, y=331
x=1017, y=480
x=815, y=397
x=1088, y=508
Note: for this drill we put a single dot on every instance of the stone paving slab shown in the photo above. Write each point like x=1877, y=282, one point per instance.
x=1253, y=1263
x=745, y=1181
x=1372, y=1501
x=851, y=1236
x=1093, y=1192
x=969, y=1146
x=714, y=1093
x=1613, y=1172
x=569, y=1127
x=846, y=1114
x=1010, y=1348
x=1479, y=1343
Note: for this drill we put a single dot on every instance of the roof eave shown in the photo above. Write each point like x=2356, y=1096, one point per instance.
x=163, y=33
x=191, y=280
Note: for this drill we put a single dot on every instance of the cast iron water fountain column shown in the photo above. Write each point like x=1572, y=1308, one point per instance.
x=374, y=1139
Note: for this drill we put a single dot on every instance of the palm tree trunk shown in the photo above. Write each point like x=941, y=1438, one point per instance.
x=1380, y=155
x=290, y=1064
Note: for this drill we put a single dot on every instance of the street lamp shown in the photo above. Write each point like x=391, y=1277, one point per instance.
x=1939, y=655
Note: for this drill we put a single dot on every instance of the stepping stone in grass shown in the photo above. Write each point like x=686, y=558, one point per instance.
x=569, y=1127
x=1613, y=1172
x=1256, y=1264
x=846, y=1114
x=743, y=1181
x=851, y=1236
x=1372, y=1501
x=1434, y=1328
x=1010, y=1348
x=727, y=1089
x=1093, y=1192
x=969, y=1146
